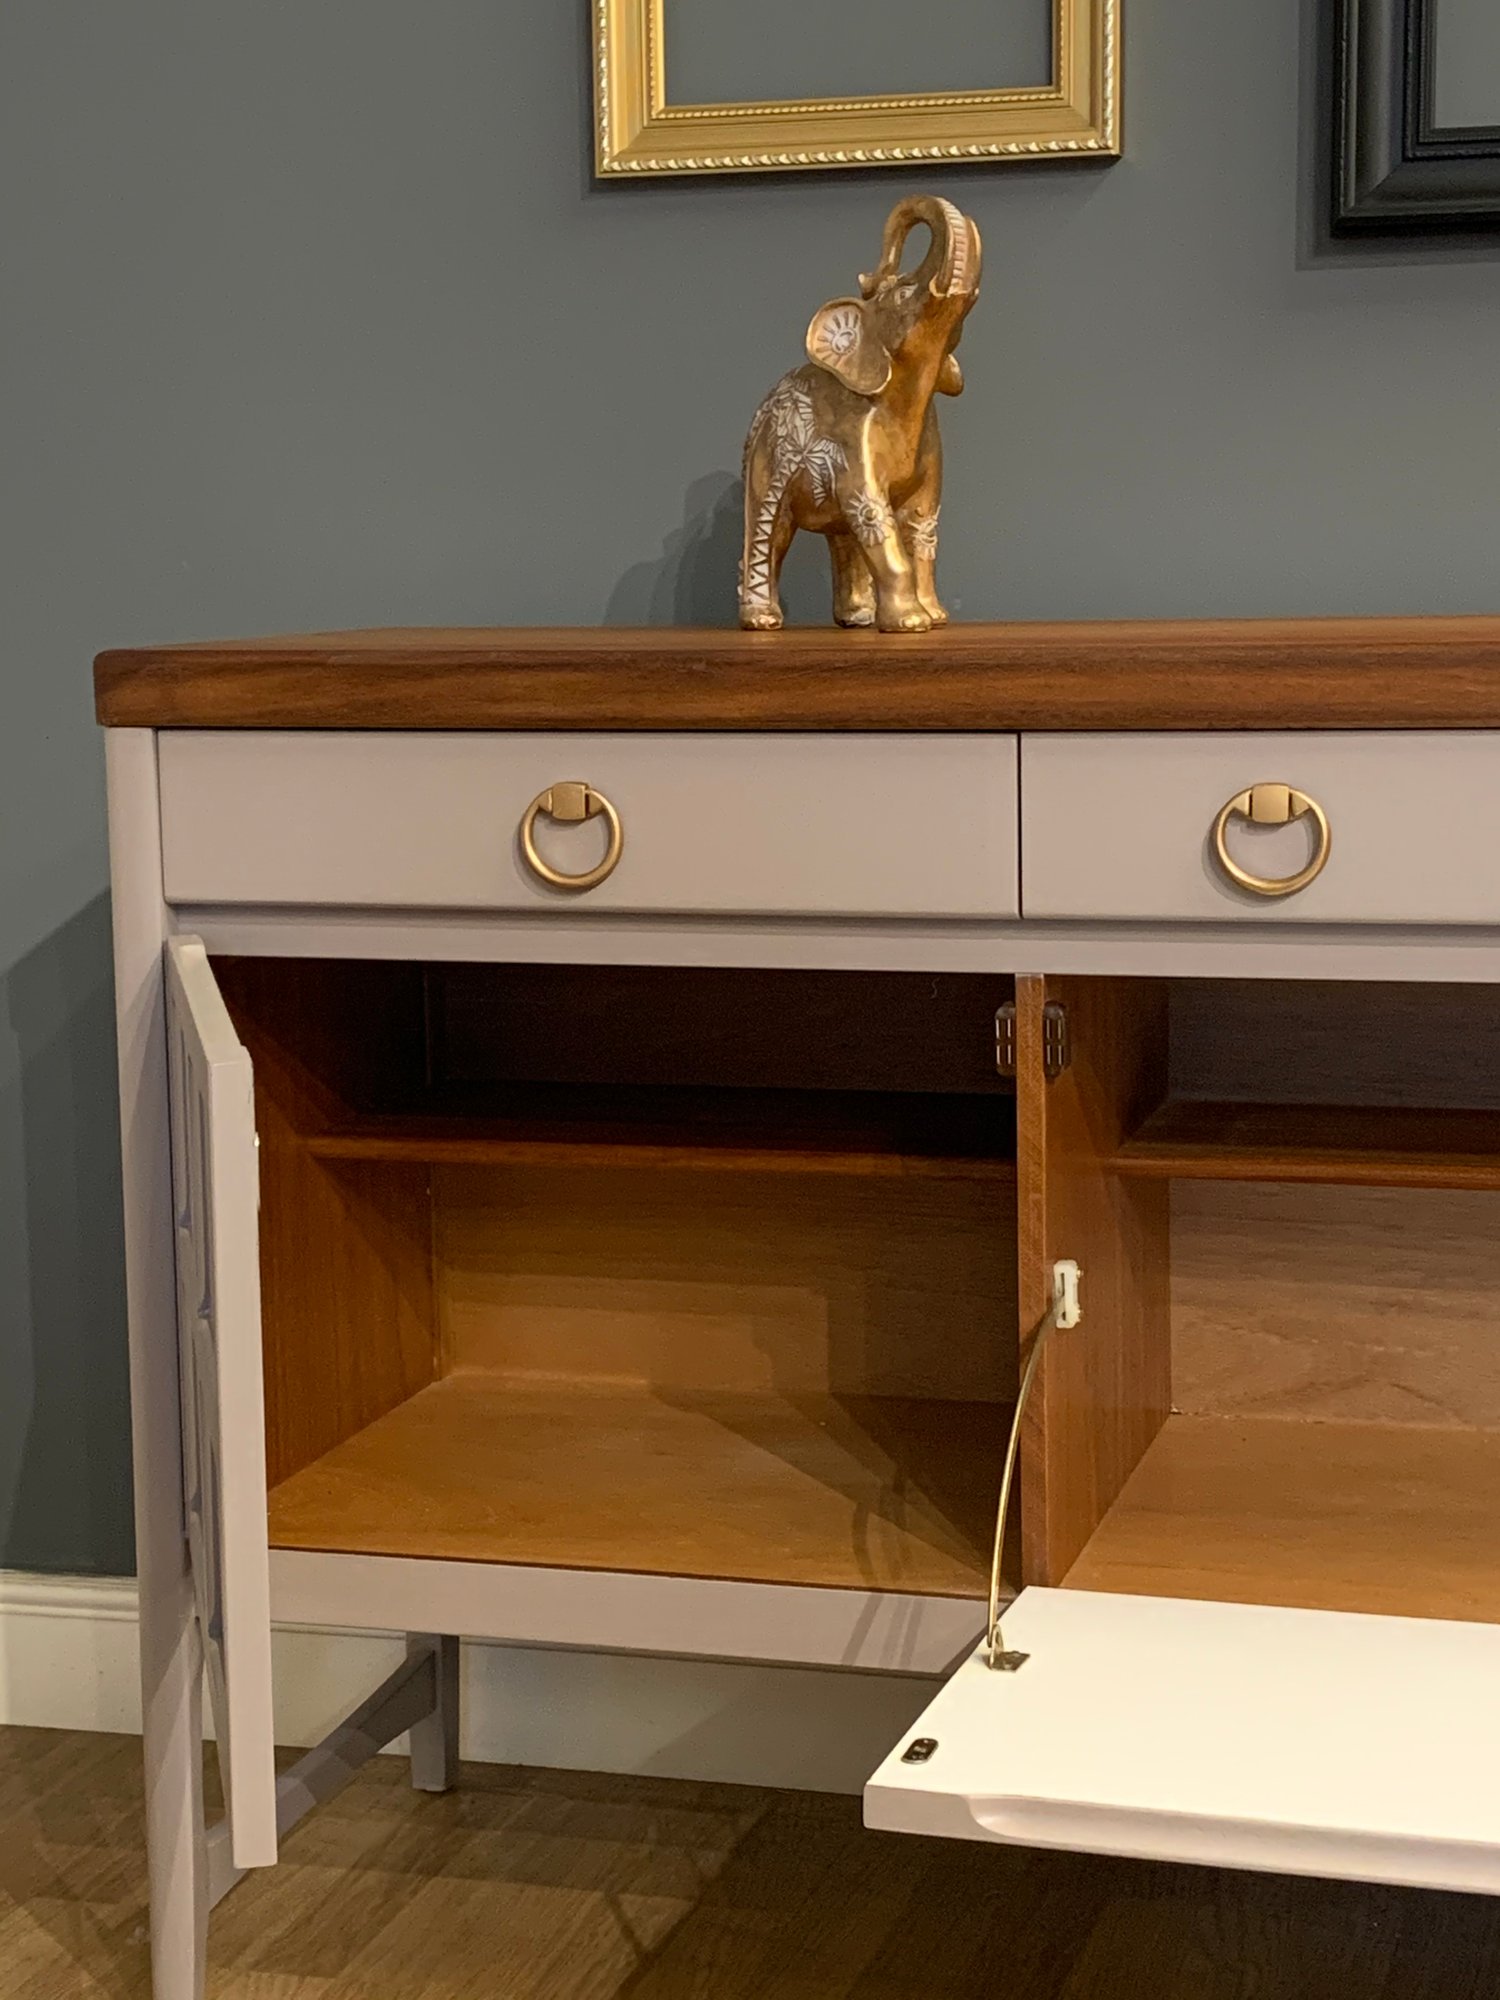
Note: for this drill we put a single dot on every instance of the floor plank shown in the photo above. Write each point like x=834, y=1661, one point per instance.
x=542, y=1885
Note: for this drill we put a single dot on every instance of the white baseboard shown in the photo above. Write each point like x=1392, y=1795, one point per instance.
x=68, y=1661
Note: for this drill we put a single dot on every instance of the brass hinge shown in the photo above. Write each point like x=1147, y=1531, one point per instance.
x=1057, y=1051
x=1005, y=1038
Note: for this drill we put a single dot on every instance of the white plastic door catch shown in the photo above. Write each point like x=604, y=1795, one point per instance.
x=1065, y=1281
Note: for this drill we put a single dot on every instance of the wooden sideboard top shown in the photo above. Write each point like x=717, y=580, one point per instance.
x=1345, y=673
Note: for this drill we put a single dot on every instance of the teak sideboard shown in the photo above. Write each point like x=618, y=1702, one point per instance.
x=611, y=1118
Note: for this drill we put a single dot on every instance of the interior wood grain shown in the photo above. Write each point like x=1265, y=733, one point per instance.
x=864, y=1134
x=1101, y=1394
x=842, y=1492
x=681, y=1282
x=1336, y=1304
x=711, y=1026
x=348, y=1314
x=1347, y=1145
x=1336, y=1041
x=1331, y=1516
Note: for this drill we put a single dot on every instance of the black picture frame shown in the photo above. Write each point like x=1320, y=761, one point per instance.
x=1394, y=169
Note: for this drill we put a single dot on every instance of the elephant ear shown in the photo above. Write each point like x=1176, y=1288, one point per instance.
x=842, y=339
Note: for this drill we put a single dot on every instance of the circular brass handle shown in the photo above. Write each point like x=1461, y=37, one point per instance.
x=570, y=802
x=1273, y=805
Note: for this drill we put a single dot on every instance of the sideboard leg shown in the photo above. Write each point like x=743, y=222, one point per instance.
x=434, y=1741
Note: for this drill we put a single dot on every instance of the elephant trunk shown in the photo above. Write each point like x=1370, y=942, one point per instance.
x=952, y=261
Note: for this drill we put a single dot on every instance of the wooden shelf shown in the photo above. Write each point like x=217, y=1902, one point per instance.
x=881, y=1135
x=1339, y=1517
x=1344, y=1145
x=861, y=1493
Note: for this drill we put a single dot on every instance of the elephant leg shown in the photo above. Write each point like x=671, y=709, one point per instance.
x=919, y=530
x=782, y=531
x=767, y=521
x=918, y=521
x=853, y=585
x=873, y=525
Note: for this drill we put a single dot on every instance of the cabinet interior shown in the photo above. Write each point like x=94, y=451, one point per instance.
x=694, y=1273
x=1313, y=1174
x=716, y=1274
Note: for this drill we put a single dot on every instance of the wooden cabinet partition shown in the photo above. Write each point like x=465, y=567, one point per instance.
x=1082, y=1083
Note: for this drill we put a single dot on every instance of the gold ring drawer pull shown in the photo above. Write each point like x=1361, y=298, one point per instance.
x=1273, y=805
x=570, y=802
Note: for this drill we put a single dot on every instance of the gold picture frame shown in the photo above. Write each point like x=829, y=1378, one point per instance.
x=638, y=132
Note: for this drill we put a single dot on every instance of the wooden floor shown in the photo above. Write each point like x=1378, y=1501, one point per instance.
x=551, y=1886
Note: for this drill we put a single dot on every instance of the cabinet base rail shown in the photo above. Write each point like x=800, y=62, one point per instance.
x=421, y=1690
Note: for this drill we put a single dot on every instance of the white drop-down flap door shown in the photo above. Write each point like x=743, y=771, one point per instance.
x=1241, y=1735
x=215, y=1191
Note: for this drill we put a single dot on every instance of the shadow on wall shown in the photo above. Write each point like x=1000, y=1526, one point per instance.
x=694, y=581
x=63, y=1326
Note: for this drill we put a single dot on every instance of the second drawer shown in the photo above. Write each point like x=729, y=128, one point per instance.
x=775, y=825
x=1120, y=827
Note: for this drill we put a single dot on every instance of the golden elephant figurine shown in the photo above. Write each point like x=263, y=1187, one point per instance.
x=847, y=445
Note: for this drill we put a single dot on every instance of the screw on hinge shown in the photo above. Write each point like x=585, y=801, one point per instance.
x=1005, y=1038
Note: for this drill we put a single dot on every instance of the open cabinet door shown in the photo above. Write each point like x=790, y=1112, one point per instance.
x=1240, y=1735
x=215, y=1190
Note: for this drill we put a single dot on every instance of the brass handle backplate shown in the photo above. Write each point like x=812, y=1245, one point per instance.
x=1273, y=805
x=572, y=801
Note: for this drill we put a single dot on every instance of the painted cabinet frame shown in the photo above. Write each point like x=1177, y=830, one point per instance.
x=195, y=1242
x=188, y=1147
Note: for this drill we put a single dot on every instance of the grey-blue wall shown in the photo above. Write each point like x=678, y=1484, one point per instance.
x=310, y=315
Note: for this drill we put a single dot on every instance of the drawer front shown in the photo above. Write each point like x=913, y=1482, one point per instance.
x=805, y=825
x=1119, y=827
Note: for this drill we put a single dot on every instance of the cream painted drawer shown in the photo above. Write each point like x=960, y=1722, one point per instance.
x=1122, y=826
x=787, y=825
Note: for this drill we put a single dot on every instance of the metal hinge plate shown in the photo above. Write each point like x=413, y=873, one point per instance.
x=1057, y=1050
x=1057, y=1047
x=1005, y=1038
